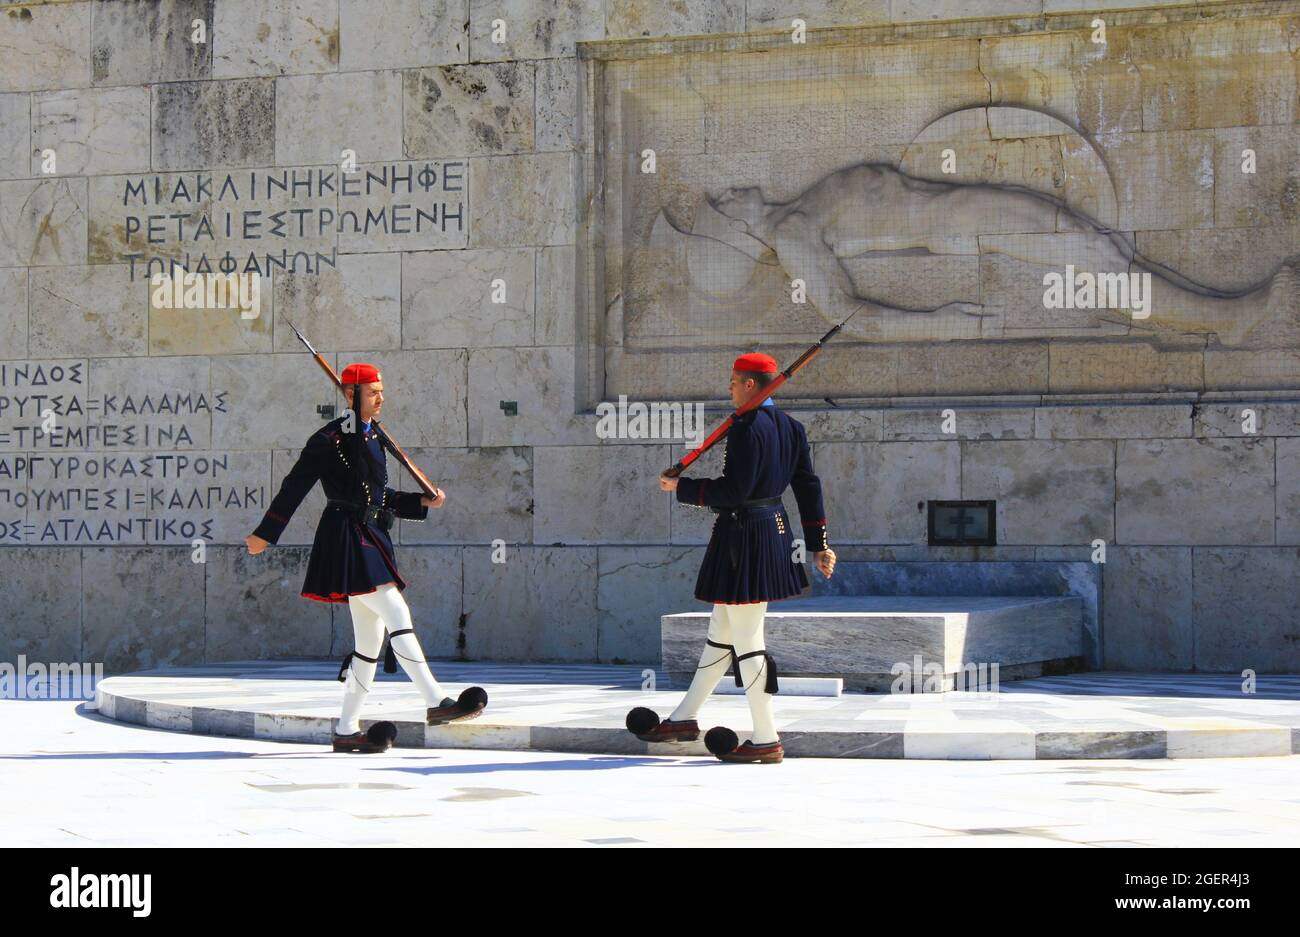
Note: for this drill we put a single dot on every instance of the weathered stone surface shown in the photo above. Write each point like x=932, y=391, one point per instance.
x=43, y=222
x=1268, y=196
x=1148, y=609
x=958, y=368
x=328, y=306
x=555, y=118
x=902, y=11
x=130, y=627
x=447, y=298
x=15, y=135
x=469, y=110
x=179, y=393
x=1231, y=258
x=967, y=423
x=540, y=604
x=46, y=46
x=818, y=14
x=424, y=396
x=270, y=400
x=637, y=586
x=523, y=200
x=539, y=381
x=872, y=491
x=402, y=33
x=144, y=43
x=1113, y=422
x=533, y=29
x=1245, y=611
x=1288, y=490
x=13, y=312
x=1215, y=74
x=1183, y=161
x=87, y=311
x=292, y=37
x=631, y=509
x=199, y=124
x=317, y=117
x=557, y=298
x=1231, y=369
x=1112, y=367
x=46, y=583
x=215, y=330
x=1263, y=417
x=489, y=495
x=1193, y=491
x=631, y=19
x=91, y=131
x=842, y=425
x=1047, y=492
x=254, y=610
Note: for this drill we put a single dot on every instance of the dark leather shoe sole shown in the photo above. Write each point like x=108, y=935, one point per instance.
x=670, y=735
x=440, y=716
x=361, y=745
x=740, y=757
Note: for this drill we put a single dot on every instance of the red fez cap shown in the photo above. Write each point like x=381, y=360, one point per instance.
x=360, y=374
x=756, y=361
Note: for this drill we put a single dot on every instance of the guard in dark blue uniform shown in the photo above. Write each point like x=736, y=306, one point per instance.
x=352, y=558
x=750, y=561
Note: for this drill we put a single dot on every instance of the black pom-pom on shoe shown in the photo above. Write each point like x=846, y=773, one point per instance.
x=641, y=720
x=382, y=734
x=472, y=698
x=720, y=740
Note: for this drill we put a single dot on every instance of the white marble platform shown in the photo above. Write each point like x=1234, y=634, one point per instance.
x=862, y=638
x=581, y=708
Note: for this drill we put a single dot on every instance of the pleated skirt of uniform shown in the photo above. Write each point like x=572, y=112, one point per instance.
x=750, y=559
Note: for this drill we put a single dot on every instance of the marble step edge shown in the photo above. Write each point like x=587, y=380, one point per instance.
x=1014, y=744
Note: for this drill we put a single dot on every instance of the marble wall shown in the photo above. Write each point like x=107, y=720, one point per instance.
x=459, y=259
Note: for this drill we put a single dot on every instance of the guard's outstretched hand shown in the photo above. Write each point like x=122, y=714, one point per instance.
x=255, y=544
x=825, y=561
x=667, y=484
x=435, y=502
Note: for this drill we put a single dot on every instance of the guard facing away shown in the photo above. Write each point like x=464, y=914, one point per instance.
x=750, y=561
x=352, y=559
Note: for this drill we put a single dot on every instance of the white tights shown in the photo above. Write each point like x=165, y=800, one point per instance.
x=742, y=627
x=372, y=613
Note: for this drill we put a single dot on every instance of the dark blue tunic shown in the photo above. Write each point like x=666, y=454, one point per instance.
x=750, y=554
x=347, y=557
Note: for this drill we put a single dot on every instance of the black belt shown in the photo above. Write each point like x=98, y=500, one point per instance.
x=382, y=518
x=736, y=509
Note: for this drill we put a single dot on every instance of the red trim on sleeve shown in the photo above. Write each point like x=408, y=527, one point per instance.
x=277, y=517
x=699, y=494
x=820, y=523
